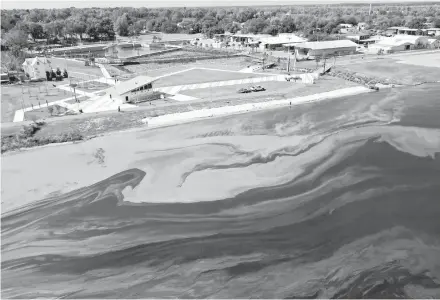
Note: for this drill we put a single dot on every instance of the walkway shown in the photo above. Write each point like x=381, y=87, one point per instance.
x=104, y=71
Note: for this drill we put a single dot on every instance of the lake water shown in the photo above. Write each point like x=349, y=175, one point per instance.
x=338, y=199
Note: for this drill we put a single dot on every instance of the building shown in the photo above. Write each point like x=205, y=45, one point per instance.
x=327, y=48
x=247, y=38
x=358, y=38
x=345, y=28
x=272, y=43
x=361, y=26
x=433, y=31
x=389, y=46
x=36, y=67
x=137, y=89
x=399, y=43
x=433, y=44
x=405, y=31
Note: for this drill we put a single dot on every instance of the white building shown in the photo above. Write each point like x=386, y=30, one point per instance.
x=280, y=41
x=36, y=67
x=133, y=90
x=400, y=43
x=433, y=31
x=311, y=50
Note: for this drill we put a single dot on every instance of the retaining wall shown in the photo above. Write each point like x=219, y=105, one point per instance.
x=181, y=60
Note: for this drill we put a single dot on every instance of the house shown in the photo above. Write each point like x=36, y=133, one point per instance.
x=137, y=89
x=328, y=48
x=36, y=67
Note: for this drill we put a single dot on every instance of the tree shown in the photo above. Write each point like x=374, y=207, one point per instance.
x=36, y=31
x=436, y=23
x=16, y=40
x=121, y=25
x=169, y=27
x=271, y=29
x=256, y=25
x=105, y=29
x=416, y=23
x=288, y=24
x=10, y=62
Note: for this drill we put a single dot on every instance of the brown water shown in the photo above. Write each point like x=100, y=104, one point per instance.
x=337, y=199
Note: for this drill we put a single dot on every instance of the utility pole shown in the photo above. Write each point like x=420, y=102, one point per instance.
x=288, y=60
x=294, y=60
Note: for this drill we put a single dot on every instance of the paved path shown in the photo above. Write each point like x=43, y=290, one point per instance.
x=104, y=71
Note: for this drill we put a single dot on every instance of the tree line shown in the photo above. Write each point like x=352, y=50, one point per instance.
x=100, y=24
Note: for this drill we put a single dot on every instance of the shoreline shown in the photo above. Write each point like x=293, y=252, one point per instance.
x=203, y=114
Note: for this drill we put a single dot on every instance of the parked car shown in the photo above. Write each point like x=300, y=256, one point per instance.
x=257, y=88
x=244, y=90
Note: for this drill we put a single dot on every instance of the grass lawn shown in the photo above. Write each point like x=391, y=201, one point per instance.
x=391, y=69
x=34, y=94
x=201, y=76
x=44, y=112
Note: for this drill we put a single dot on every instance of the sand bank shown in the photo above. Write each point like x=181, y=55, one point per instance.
x=178, y=118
